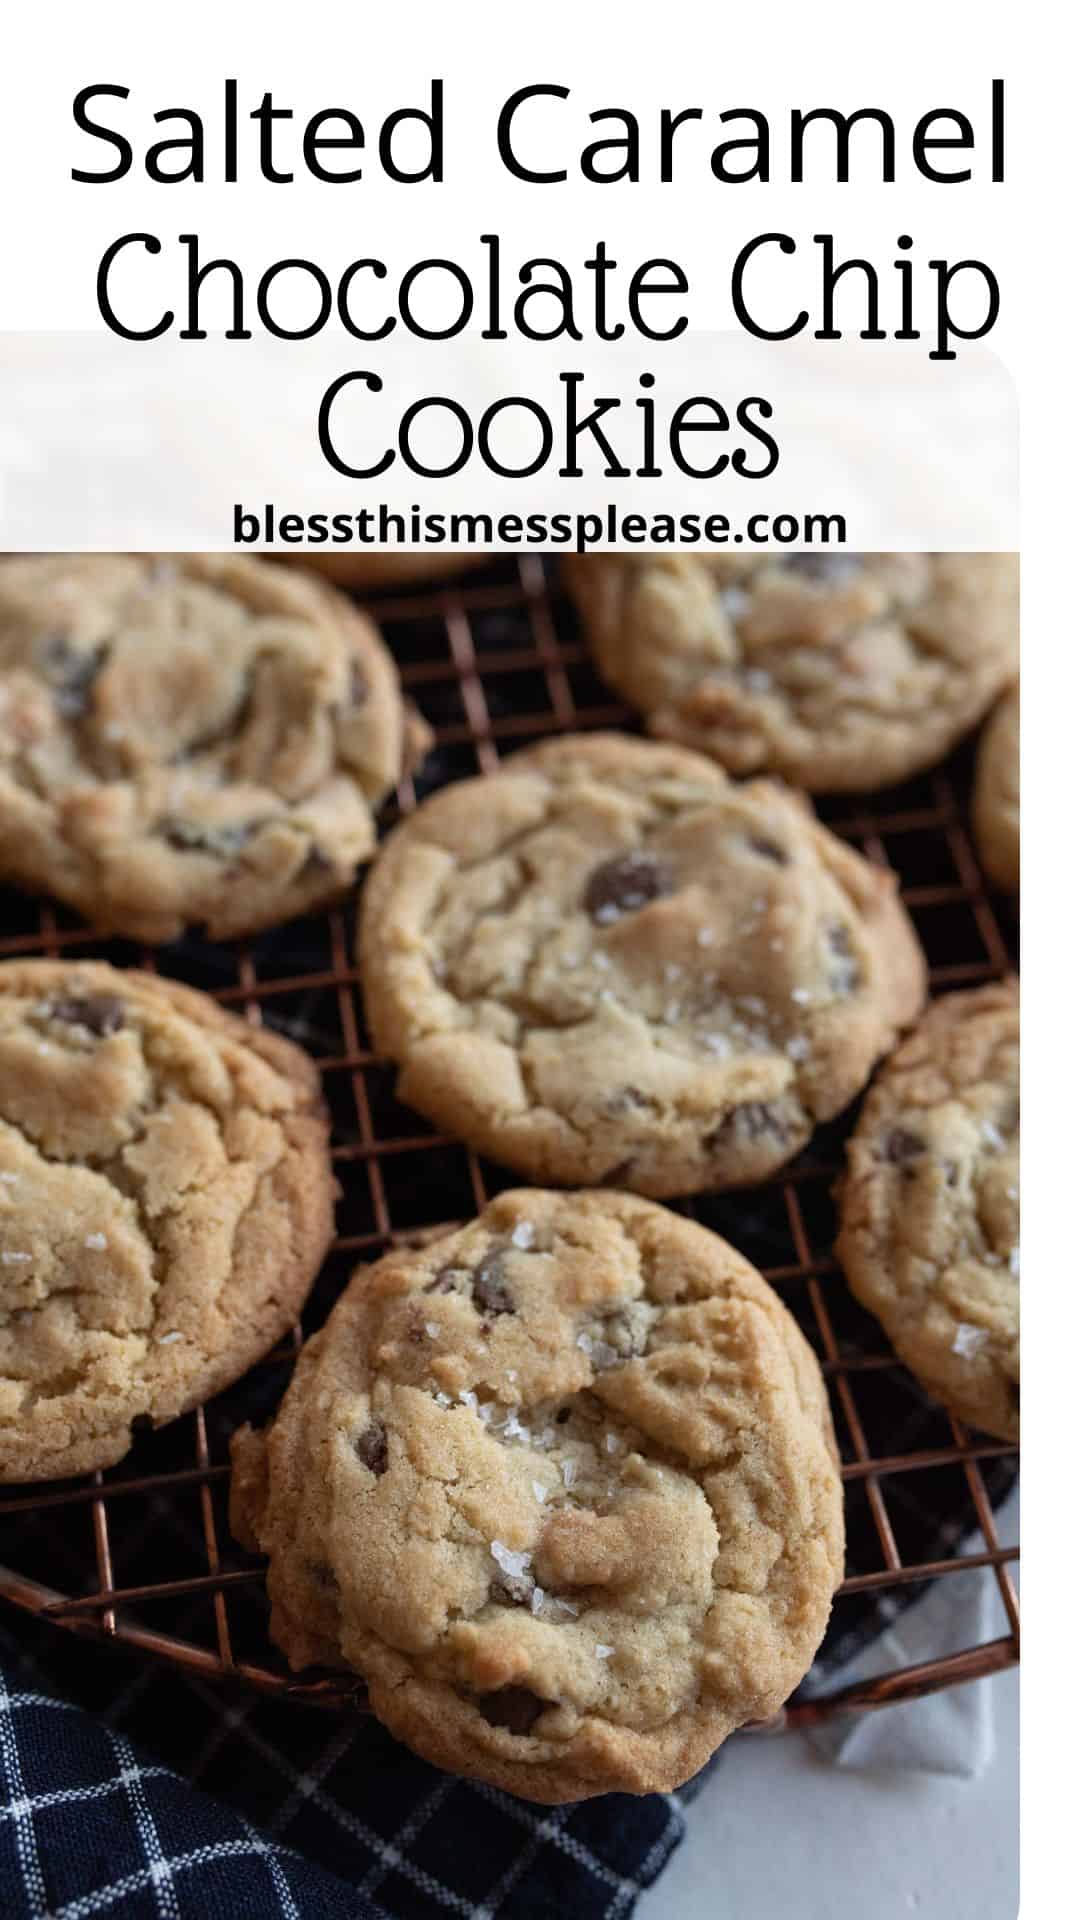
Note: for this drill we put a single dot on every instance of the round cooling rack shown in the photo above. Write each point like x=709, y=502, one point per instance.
x=142, y=1556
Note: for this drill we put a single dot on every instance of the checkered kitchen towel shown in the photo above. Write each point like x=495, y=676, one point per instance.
x=295, y=1812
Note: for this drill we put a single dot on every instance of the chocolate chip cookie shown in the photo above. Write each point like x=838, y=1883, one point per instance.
x=996, y=802
x=165, y=1202
x=562, y=1487
x=608, y=963
x=198, y=738
x=930, y=1205
x=837, y=670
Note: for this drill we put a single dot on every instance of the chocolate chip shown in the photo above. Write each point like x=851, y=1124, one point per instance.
x=618, y=1175
x=322, y=1576
x=512, y=1591
x=191, y=836
x=315, y=861
x=768, y=849
x=627, y=1100
x=755, y=1120
x=359, y=687
x=514, y=1708
x=625, y=885
x=99, y=1013
x=489, y=1289
x=901, y=1145
x=370, y=1447
x=825, y=569
x=562, y=1416
x=71, y=673
x=444, y=1281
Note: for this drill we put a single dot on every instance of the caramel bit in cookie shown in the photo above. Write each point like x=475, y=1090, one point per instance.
x=768, y=849
x=625, y=885
x=901, y=1145
x=755, y=1120
x=515, y=1708
x=824, y=569
x=191, y=836
x=71, y=673
x=371, y=1448
x=97, y=1013
x=489, y=1289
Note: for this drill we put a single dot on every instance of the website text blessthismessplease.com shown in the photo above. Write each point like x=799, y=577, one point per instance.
x=611, y=526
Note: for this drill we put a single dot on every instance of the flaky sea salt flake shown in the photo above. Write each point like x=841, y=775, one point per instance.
x=968, y=1340
x=515, y=1565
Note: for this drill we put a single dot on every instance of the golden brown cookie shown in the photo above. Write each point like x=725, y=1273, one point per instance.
x=996, y=800
x=836, y=670
x=194, y=738
x=930, y=1207
x=608, y=963
x=165, y=1203
x=362, y=569
x=562, y=1487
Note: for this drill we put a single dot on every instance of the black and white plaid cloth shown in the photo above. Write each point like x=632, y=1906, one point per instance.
x=296, y=1812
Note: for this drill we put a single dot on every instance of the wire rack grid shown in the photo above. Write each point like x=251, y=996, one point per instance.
x=141, y=1555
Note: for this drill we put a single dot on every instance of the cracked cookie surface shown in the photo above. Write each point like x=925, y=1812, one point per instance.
x=996, y=799
x=165, y=1202
x=930, y=1205
x=607, y=963
x=562, y=1488
x=189, y=738
x=836, y=670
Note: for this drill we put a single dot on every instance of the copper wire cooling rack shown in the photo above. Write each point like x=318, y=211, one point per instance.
x=142, y=1556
